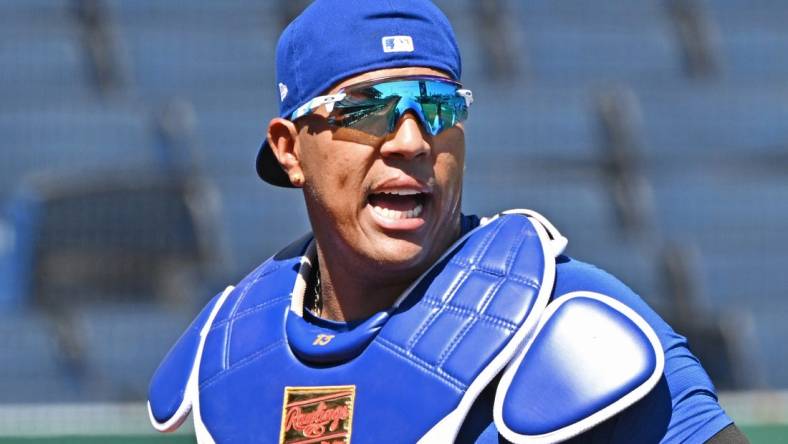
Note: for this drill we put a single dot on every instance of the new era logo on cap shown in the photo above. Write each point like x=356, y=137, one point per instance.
x=282, y=91
x=397, y=43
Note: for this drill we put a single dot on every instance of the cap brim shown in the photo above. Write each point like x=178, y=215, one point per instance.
x=268, y=168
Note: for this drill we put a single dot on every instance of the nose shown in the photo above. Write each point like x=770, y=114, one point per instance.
x=407, y=141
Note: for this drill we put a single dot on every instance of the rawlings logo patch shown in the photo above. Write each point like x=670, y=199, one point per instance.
x=320, y=415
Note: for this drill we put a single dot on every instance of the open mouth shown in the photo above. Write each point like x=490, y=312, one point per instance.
x=398, y=204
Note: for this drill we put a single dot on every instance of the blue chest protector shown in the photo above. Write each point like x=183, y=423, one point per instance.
x=253, y=370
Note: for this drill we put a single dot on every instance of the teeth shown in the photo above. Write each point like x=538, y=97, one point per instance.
x=396, y=215
x=401, y=192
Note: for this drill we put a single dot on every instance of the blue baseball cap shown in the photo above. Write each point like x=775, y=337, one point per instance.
x=335, y=39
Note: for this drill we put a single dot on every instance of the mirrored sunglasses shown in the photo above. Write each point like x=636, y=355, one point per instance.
x=374, y=107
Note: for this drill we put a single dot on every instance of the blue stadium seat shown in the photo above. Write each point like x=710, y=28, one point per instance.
x=714, y=124
x=737, y=224
x=44, y=56
x=77, y=137
x=770, y=331
x=724, y=213
x=589, y=43
x=35, y=12
x=598, y=13
x=177, y=62
x=258, y=220
x=580, y=207
x=576, y=205
x=229, y=140
x=753, y=39
x=745, y=281
x=731, y=15
x=123, y=344
x=33, y=367
x=171, y=50
x=20, y=222
x=756, y=55
x=740, y=230
x=748, y=288
x=464, y=17
x=196, y=9
x=517, y=123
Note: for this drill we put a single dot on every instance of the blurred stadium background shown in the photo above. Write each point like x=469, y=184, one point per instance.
x=654, y=133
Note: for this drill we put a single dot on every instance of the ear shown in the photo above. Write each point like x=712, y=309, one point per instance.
x=283, y=139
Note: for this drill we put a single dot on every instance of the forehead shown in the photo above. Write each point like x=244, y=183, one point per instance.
x=388, y=72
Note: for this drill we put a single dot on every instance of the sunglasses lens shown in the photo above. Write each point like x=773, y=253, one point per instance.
x=368, y=115
x=375, y=108
x=444, y=112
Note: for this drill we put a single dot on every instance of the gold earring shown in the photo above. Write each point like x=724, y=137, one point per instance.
x=297, y=179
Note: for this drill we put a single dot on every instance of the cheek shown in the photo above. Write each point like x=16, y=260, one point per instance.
x=344, y=173
x=450, y=162
x=343, y=177
x=320, y=167
x=449, y=175
x=335, y=175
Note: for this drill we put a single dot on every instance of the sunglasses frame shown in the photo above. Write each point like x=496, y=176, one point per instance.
x=329, y=100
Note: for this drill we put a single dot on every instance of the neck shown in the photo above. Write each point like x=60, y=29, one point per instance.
x=350, y=294
x=355, y=288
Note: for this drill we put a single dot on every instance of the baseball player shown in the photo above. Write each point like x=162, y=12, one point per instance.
x=399, y=319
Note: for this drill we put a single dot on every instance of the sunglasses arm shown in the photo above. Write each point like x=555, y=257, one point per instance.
x=317, y=102
x=467, y=95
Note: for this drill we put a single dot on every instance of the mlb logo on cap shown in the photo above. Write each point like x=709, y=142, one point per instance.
x=397, y=43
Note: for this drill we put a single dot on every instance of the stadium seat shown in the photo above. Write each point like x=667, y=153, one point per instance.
x=756, y=55
x=166, y=62
x=736, y=221
x=20, y=222
x=82, y=137
x=581, y=43
x=714, y=124
x=122, y=345
x=724, y=213
x=770, y=331
x=746, y=281
x=77, y=239
x=478, y=39
x=229, y=140
x=33, y=369
x=753, y=40
x=45, y=56
x=521, y=124
x=580, y=207
x=35, y=12
x=257, y=220
x=206, y=48
x=197, y=9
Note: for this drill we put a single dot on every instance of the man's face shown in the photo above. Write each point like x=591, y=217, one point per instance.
x=393, y=203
